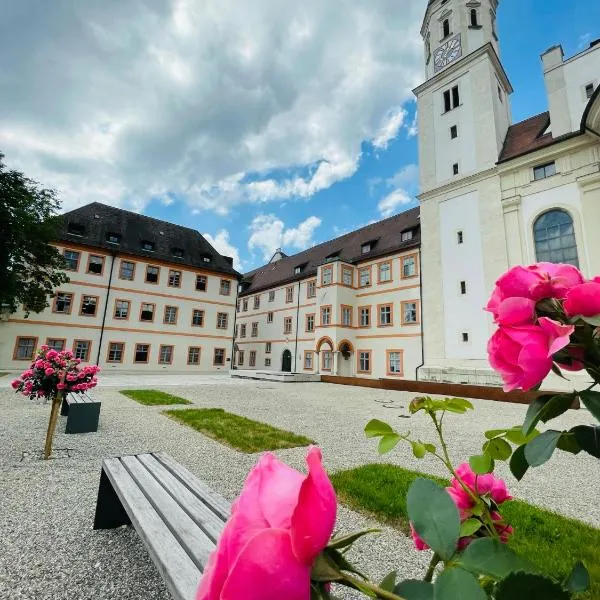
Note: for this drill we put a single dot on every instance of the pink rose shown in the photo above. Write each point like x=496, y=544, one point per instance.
x=523, y=355
x=71, y=377
x=542, y=280
x=419, y=543
x=39, y=364
x=49, y=371
x=583, y=300
x=502, y=528
x=483, y=485
x=15, y=384
x=61, y=386
x=44, y=347
x=52, y=354
x=278, y=526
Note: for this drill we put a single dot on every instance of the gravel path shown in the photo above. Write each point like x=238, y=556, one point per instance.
x=49, y=551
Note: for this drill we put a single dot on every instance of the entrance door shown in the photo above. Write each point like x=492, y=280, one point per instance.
x=286, y=362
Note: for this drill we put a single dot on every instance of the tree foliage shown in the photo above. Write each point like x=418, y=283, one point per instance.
x=30, y=268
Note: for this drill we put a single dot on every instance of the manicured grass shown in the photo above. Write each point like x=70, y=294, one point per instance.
x=553, y=542
x=238, y=432
x=3, y=374
x=153, y=397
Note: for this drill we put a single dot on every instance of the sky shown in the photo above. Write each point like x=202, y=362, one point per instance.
x=260, y=123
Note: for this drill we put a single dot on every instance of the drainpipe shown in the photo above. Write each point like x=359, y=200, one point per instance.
x=112, y=265
x=297, y=323
x=237, y=295
x=421, y=308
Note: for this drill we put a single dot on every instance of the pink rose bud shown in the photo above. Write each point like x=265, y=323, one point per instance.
x=15, y=384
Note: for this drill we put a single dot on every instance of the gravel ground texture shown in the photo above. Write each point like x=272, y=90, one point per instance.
x=48, y=549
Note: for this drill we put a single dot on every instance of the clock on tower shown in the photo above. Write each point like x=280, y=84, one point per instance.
x=447, y=53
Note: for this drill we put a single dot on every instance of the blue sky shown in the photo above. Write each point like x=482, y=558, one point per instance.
x=224, y=125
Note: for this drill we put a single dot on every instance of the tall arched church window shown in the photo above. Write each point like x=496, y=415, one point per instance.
x=554, y=237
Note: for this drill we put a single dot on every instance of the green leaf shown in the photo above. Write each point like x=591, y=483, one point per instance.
x=376, y=428
x=324, y=569
x=488, y=556
x=430, y=448
x=338, y=543
x=579, y=579
x=481, y=464
x=516, y=436
x=591, y=400
x=469, y=527
x=492, y=433
x=453, y=584
x=418, y=449
x=413, y=589
x=457, y=405
x=588, y=437
x=539, y=451
x=525, y=586
x=419, y=403
x=389, y=581
x=595, y=321
x=568, y=443
x=388, y=442
x=498, y=449
x=546, y=408
x=533, y=411
x=434, y=516
x=518, y=463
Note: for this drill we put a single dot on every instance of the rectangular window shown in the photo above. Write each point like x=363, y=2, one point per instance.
x=453, y=132
x=311, y=289
x=256, y=302
x=325, y=315
x=170, y=316
x=447, y=101
x=238, y=306
x=385, y=272
x=56, y=344
x=198, y=318
x=200, y=283
x=152, y=274
x=465, y=337
x=81, y=349
x=122, y=309
x=544, y=171
x=219, y=357
x=25, y=348
x=327, y=360
x=364, y=361
x=385, y=315
x=113, y=238
x=347, y=276
x=455, y=169
x=193, y=355
x=269, y=317
x=115, y=352
x=589, y=90
x=254, y=330
x=268, y=348
x=72, y=260
x=451, y=99
x=394, y=363
x=148, y=246
x=225, y=287
x=365, y=316
x=365, y=277
x=267, y=362
x=365, y=248
x=245, y=305
x=142, y=353
x=165, y=355
x=310, y=323
x=252, y=359
x=272, y=296
x=243, y=330
x=222, y=319
x=455, y=97
x=326, y=276
x=241, y=358
x=308, y=360
x=95, y=264
x=410, y=312
x=147, y=312
x=89, y=305
x=126, y=270
x=287, y=325
x=406, y=235
x=347, y=316
x=409, y=266
x=463, y=287
x=174, y=278
x=289, y=294
x=459, y=237
x=63, y=303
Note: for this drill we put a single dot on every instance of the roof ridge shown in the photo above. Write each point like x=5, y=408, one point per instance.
x=543, y=113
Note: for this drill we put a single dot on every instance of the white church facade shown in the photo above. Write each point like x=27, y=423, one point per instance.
x=496, y=194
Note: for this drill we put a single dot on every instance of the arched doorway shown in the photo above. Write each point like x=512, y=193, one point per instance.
x=286, y=361
x=346, y=361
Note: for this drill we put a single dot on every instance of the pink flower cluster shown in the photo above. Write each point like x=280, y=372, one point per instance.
x=485, y=486
x=53, y=371
x=278, y=526
x=523, y=347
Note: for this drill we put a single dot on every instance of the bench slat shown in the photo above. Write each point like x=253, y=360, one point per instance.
x=214, y=501
x=187, y=533
x=210, y=523
x=176, y=567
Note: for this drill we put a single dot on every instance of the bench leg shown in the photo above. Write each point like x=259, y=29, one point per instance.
x=109, y=510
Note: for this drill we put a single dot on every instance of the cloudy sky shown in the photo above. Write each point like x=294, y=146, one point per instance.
x=262, y=123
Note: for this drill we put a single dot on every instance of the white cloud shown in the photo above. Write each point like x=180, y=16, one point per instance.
x=267, y=233
x=222, y=245
x=390, y=204
x=406, y=177
x=404, y=185
x=217, y=102
x=413, y=128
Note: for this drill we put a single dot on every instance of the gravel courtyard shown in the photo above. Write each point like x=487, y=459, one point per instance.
x=48, y=549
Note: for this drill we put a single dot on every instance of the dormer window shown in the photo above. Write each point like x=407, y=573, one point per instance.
x=407, y=235
x=177, y=252
x=76, y=229
x=206, y=259
x=299, y=269
x=365, y=248
x=113, y=238
x=148, y=246
x=332, y=256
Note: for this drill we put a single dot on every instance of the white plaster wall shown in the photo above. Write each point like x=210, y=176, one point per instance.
x=578, y=72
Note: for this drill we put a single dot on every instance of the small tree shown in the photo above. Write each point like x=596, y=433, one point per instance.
x=30, y=268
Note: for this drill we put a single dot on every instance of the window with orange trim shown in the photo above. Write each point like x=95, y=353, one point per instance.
x=347, y=276
x=364, y=277
x=89, y=305
x=252, y=358
x=222, y=320
x=409, y=266
x=310, y=322
x=142, y=353
x=287, y=325
x=395, y=362
x=63, y=303
x=115, y=352
x=326, y=275
x=311, y=289
x=24, y=348
x=57, y=344
x=410, y=312
x=364, y=361
x=81, y=349
x=384, y=271
x=386, y=315
x=327, y=360
x=193, y=355
x=346, y=316
x=174, y=278
x=364, y=316
x=289, y=294
x=95, y=264
x=219, y=357
x=165, y=355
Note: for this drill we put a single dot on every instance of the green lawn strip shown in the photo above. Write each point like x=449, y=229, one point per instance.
x=154, y=397
x=554, y=543
x=238, y=432
x=3, y=374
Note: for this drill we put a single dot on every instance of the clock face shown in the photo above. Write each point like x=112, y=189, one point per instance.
x=447, y=53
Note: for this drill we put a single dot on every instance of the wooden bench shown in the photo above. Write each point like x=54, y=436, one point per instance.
x=177, y=516
x=82, y=412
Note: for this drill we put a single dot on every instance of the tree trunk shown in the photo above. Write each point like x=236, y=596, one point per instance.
x=52, y=424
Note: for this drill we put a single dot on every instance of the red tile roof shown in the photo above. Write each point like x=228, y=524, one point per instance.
x=526, y=136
